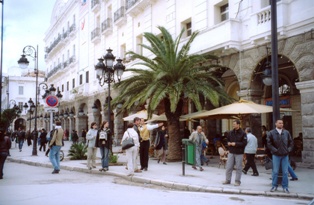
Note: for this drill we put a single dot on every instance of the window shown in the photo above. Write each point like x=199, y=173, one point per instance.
x=62, y=88
x=188, y=28
x=81, y=79
x=21, y=90
x=20, y=104
x=73, y=50
x=122, y=51
x=68, y=86
x=139, y=40
x=224, y=12
x=73, y=83
x=87, y=76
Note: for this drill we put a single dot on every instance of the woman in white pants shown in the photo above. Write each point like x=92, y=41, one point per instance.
x=131, y=153
x=91, y=148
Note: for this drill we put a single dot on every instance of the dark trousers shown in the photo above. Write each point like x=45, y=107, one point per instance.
x=3, y=156
x=250, y=163
x=144, y=149
x=42, y=146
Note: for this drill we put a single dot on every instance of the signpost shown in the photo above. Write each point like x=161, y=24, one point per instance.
x=52, y=102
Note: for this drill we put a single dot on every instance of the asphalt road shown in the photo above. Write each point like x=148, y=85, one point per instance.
x=30, y=185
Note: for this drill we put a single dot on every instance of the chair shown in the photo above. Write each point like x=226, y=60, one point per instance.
x=223, y=156
x=260, y=155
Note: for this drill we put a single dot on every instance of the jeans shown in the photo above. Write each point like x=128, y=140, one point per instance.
x=54, y=156
x=282, y=161
x=198, y=152
x=21, y=142
x=291, y=172
x=104, y=152
x=234, y=159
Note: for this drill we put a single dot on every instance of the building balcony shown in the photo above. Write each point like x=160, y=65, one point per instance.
x=72, y=61
x=95, y=6
x=72, y=30
x=135, y=7
x=106, y=26
x=95, y=35
x=119, y=16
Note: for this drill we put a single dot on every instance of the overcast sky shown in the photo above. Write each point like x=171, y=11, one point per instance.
x=25, y=23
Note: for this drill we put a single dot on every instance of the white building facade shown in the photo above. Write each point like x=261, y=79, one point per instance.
x=236, y=31
x=18, y=89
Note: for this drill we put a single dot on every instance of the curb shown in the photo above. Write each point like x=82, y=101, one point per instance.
x=172, y=185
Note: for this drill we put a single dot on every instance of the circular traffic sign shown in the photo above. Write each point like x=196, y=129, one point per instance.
x=52, y=101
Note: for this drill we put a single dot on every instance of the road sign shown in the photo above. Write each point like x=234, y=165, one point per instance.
x=52, y=101
x=51, y=109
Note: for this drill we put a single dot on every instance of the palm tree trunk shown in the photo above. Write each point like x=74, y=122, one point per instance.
x=174, y=142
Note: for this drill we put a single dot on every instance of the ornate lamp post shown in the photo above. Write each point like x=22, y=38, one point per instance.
x=105, y=71
x=30, y=111
x=23, y=63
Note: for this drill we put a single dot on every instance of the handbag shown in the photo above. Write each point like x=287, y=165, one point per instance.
x=127, y=143
x=268, y=163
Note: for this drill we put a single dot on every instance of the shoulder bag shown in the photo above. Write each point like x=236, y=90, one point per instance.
x=127, y=143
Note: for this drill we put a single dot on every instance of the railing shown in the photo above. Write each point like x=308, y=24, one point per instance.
x=106, y=24
x=264, y=16
x=61, y=66
x=129, y=3
x=119, y=13
x=95, y=33
x=60, y=37
x=94, y=3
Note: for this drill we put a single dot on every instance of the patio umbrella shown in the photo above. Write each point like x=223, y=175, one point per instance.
x=237, y=109
x=140, y=114
x=163, y=117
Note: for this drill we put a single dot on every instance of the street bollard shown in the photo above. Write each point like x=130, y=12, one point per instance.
x=183, y=160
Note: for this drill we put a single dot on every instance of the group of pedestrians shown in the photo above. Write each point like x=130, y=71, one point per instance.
x=279, y=143
x=139, y=131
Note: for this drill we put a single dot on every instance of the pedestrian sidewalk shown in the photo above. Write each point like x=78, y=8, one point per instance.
x=170, y=175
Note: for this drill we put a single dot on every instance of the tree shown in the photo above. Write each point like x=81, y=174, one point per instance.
x=7, y=117
x=169, y=77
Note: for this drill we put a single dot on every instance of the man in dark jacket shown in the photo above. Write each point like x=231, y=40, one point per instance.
x=236, y=142
x=280, y=143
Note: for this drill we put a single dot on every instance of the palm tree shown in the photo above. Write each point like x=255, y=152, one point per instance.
x=167, y=78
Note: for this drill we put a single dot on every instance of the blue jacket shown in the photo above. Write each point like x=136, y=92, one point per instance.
x=279, y=145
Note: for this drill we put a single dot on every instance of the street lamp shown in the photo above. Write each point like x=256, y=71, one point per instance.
x=1, y=57
x=30, y=111
x=23, y=63
x=105, y=71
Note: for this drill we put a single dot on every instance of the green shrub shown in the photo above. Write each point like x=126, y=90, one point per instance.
x=78, y=151
x=113, y=158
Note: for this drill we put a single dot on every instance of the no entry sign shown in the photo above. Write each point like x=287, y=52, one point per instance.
x=52, y=101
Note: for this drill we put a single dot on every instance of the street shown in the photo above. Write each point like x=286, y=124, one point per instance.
x=31, y=185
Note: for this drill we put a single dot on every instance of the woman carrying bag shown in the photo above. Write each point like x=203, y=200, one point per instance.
x=104, y=142
x=131, y=152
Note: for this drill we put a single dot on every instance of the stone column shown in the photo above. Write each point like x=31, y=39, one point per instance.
x=307, y=112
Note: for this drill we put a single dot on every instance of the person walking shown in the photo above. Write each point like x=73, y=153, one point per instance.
x=21, y=138
x=145, y=142
x=198, y=137
x=5, y=145
x=131, y=153
x=84, y=135
x=43, y=140
x=91, y=148
x=74, y=137
x=136, y=124
x=280, y=143
x=236, y=142
x=104, y=142
x=161, y=145
x=55, y=146
x=250, y=151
